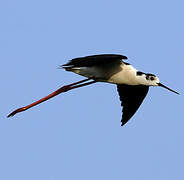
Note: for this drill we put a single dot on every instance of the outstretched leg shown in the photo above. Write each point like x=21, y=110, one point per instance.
x=55, y=93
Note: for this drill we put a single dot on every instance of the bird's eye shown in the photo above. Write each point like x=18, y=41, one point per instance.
x=152, y=78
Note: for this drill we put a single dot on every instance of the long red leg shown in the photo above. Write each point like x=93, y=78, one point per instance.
x=55, y=93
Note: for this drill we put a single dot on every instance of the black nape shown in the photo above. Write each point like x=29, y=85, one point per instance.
x=139, y=73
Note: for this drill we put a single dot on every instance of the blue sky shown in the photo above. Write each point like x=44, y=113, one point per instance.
x=77, y=135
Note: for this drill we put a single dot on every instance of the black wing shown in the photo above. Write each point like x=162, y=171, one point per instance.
x=131, y=98
x=94, y=60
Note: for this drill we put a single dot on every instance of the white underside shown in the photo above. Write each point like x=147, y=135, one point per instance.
x=121, y=74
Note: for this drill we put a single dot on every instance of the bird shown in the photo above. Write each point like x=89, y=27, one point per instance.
x=132, y=84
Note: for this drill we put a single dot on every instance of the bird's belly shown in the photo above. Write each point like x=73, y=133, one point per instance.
x=123, y=77
x=111, y=74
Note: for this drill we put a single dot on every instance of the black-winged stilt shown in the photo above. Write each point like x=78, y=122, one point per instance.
x=132, y=85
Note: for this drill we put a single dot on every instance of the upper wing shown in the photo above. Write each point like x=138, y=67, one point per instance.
x=131, y=98
x=94, y=60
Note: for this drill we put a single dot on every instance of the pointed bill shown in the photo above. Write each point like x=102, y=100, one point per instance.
x=161, y=85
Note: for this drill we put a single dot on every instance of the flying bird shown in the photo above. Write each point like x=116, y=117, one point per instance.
x=132, y=85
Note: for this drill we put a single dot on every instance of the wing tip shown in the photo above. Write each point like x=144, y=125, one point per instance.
x=124, y=121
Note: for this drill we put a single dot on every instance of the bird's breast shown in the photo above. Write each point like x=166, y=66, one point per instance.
x=127, y=75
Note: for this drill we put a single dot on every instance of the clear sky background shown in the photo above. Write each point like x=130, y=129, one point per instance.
x=77, y=135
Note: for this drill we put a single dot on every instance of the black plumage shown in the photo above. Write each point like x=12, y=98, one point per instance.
x=95, y=60
x=131, y=98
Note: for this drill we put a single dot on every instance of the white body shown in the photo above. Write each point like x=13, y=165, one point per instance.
x=126, y=76
x=114, y=73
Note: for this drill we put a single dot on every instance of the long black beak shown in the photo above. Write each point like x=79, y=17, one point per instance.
x=159, y=84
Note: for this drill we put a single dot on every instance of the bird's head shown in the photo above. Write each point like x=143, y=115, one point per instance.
x=151, y=80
